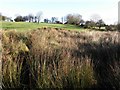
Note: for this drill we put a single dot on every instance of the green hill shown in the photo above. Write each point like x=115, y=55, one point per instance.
x=22, y=26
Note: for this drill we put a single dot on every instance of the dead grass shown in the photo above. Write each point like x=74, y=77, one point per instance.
x=56, y=58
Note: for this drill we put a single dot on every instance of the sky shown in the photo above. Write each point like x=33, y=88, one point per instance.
x=106, y=9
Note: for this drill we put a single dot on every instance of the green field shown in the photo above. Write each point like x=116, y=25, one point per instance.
x=22, y=26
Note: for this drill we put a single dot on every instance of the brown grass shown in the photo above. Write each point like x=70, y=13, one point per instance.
x=55, y=58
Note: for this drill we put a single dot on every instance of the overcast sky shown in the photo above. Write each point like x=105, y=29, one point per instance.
x=107, y=9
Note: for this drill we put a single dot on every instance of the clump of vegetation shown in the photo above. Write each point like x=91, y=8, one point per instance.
x=12, y=45
x=56, y=58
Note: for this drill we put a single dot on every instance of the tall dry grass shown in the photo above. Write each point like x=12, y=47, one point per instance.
x=55, y=58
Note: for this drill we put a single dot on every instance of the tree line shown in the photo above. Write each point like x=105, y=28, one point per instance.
x=29, y=18
x=74, y=19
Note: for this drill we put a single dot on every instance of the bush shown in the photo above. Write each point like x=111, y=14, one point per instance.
x=111, y=28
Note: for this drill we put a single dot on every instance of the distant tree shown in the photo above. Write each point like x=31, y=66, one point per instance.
x=63, y=19
x=70, y=18
x=74, y=19
x=30, y=17
x=112, y=27
x=87, y=24
x=18, y=19
x=54, y=19
x=92, y=24
x=25, y=18
x=35, y=19
x=39, y=16
x=82, y=21
x=95, y=18
x=100, y=23
x=46, y=20
x=4, y=18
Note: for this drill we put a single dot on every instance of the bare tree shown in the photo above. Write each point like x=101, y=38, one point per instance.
x=30, y=17
x=74, y=18
x=39, y=16
x=62, y=18
x=95, y=18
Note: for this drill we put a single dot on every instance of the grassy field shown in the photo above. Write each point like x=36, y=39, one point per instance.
x=23, y=26
x=58, y=56
x=54, y=58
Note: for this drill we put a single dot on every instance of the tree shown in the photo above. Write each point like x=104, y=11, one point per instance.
x=30, y=17
x=54, y=19
x=18, y=19
x=90, y=24
x=63, y=19
x=39, y=16
x=3, y=18
x=95, y=18
x=46, y=20
x=87, y=24
x=100, y=23
x=25, y=18
x=74, y=19
x=35, y=19
x=82, y=21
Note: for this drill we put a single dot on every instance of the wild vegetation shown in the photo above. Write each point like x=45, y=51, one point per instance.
x=57, y=58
